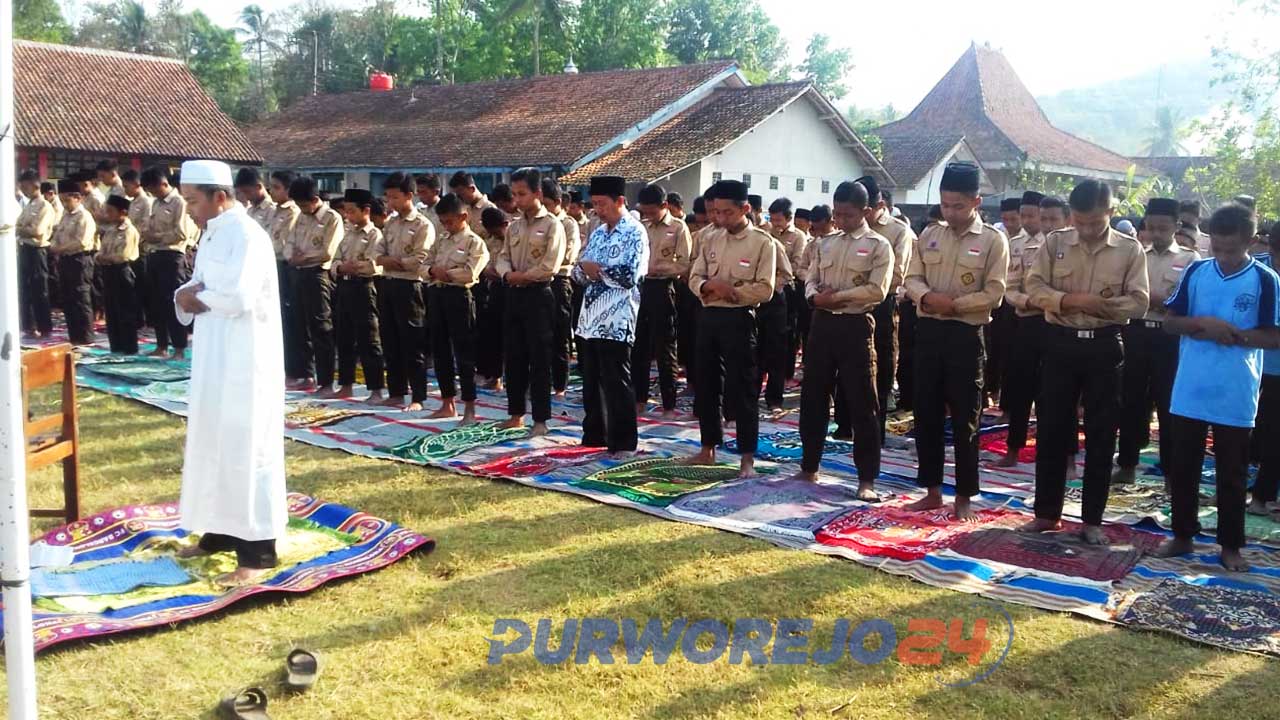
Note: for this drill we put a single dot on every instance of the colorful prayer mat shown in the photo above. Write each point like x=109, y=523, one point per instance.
x=136, y=369
x=657, y=481
x=794, y=508
x=308, y=414
x=175, y=391
x=522, y=464
x=786, y=447
x=325, y=542
x=1227, y=617
x=890, y=531
x=435, y=447
x=107, y=578
x=1061, y=553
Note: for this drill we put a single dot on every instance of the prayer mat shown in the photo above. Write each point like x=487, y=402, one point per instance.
x=786, y=447
x=657, y=481
x=136, y=369
x=524, y=463
x=1061, y=553
x=426, y=449
x=1236, y=619
x=307, y=414
x=108, y=578
x=997, y=442
x=324, y=542
x=1263, y=528
x=176, y=391
x=891, y=531
x=794, y=508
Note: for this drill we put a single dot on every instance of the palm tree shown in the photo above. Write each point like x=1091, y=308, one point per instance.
x=133, y=26
x=538, y=8
x=261, y=36
x=1167, y=133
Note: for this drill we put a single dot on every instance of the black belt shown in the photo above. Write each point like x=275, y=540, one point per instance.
x=659, y=280
x=1100, y=333
x=75, y=255
x=726, y=310
x=531, y=286
x=355, y=278
x=1150, y=324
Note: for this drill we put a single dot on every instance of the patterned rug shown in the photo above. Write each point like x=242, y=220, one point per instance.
x=308, y=414
x=657, y=481
x=1060, y=553
x=890, y=531
x=544, y=462
x=786, y=447
x=1227, y=617
x=324, y=542
x=435, y=447
x=795, y=508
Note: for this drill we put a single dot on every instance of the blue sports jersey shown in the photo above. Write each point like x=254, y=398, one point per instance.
x=1220, y=383
x=1270, y=358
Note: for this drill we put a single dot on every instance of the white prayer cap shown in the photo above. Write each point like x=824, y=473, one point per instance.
x=206, y=172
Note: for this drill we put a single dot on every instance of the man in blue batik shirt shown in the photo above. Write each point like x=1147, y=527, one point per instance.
x=1227, y=310
x=611, y=267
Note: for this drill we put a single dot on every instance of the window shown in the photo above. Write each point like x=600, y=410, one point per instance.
x=799, y=184
x=716, y=177
x=746, y=179
x=329, y=182
x=826, y=186
x=773, y=182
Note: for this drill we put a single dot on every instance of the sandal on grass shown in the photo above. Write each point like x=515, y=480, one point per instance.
x=301, y=668
x=248, y=704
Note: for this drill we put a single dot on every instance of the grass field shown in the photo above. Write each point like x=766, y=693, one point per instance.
x=410, y=641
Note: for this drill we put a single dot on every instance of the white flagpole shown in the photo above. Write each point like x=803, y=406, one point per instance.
x=15, y=561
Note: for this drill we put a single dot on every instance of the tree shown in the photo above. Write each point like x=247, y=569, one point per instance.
x=703, y=30
x=121, y=25
x=619, y=34
x=216, y=59
x=827, y=67
x=536, y=10
x=1167, y=133
x=40, y=20
x=262, y=38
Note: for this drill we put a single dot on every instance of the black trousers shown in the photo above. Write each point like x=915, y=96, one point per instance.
x=1231, y=461
x=313, y=321
x=140, y=291
x=1022, y=376
x=841, y=346
x=255, y=554
x=121, y=299
x=1150, y=364
x=76, y=272
x=97, y=285
x=355, y=325
x=886, y=317
x=527, y=325
x=33, y=289
x=998, y=336
x=687, y=328
x=655, y=340
x=727, y=365
x=166, y=271
x=948, y=375
x=453, y=339
x=907, y=318
x=561, y=331
x=771, y=328
x=1077, y=371
x=1266, y=436
x=797, y=306
x=609, y=405
x=293, y=365
x=490, y=298
x=402, y=316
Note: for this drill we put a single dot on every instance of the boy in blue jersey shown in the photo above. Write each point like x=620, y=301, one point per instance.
x=1266, y=432
x=1226, y=311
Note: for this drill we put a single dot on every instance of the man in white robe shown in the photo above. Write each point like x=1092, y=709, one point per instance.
x=233, y=488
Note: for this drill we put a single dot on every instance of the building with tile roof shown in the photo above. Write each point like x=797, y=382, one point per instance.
x=76, y=106
x=917, y=165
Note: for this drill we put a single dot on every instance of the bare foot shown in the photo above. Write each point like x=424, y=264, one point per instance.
x=805, y=476
x=932, y=500
x=671, y=414
x=307, y=387
x=447, y=411
x=375, y=397
x=1234, y=561
x=1257, y=508
x=558, y=396
x=867, y=492
x=705, y=456
x=496, y=385
x=539, y=429
x=747, y=467
x=1174, y=547
x=180, y=354
x=641, y=407
x=964, y=510
x=158, y=352
x=326, y=393
x=728, y=424
x=1093, y=535
x=622, y=455
x=1010, y=459
x=414, y=406
x=395, y=401
x=193, y=551
x=1040, y=525
x=468, y=414
x=513, y=422
x=344, y=393
x=241, y=576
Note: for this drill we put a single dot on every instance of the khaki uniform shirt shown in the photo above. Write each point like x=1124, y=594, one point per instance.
x=407, y=239
x=1115, y=270
x=140, y=212
x=902, y=238
x=794, y=241
x=475, y=213
x=315, y=238
x=1022, y=252
x=119, y=244
x=858, y=266
x=429, y=212
x=783, y=274
x=463, y=256
x=76, y=233
x=166, y=228
x=670, y=248
x=572, y=243
x=968, y=265
x=117, y=188
x=263, y=213
x=361, y=245
x=534, y=245
x=96, y=203
x=1164, y=272
x=36, y=222
x=283, y=218
x=747, y=260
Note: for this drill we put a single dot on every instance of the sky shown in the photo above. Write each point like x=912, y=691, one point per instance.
x=900, y=53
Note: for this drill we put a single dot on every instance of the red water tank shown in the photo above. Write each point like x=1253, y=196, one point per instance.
x=381, y=82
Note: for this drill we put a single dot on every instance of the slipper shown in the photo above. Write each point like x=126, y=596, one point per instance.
x=302, y=668
x=248, y=704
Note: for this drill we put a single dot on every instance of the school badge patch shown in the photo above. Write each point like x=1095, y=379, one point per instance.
x=536, y=253
x=1107, y=293
x=666, y=252
x=967, y=278
x=859, y=279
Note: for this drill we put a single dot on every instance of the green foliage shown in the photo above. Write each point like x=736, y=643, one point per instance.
x=864, y=122
x=704, y=30
x=619, y=34
x=1132, y=199
x=40, y=20
x=827, y=66
x=1030, y=176
x=216, y=59
x=1168, y=132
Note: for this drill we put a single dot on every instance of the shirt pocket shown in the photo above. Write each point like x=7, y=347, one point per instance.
x=1109, y=282
x=1063, y=277
x=932, y=258
x=969, y=270
x=860, y=269
x=739, y=271
x=538, y=241
x=1171, y=278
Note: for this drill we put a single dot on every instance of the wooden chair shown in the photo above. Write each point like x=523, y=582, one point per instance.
x=53, y=438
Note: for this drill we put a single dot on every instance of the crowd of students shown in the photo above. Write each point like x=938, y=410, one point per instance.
x=1093, y=319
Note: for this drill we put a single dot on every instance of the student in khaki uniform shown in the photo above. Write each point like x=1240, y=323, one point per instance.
x=93, y=199
x=250, y=191
x=999, y=331
x=1022, y=369
x=757, y=210
x=452, y=269
x=119, y=248
x=670, y=247
x=165, y=243
x=562, y=288
x=491, y=304
x=575, y=207
x=1151, y=354
x=783, y=229
x=956, y=279
x=733, y=273
x=848, y=276
x=356, y=298
x=108, y=173
x=379, y=216
x=139, y=214
x=688, y=304
x=283, y=218
x=531, y=256
x=74, y=241
x=1089, y=280
x=428, y=194
x=464, y=186
x=772, y=331
x=505, y=200
x=34, y=229
x=310, y=249
x=406, y=241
